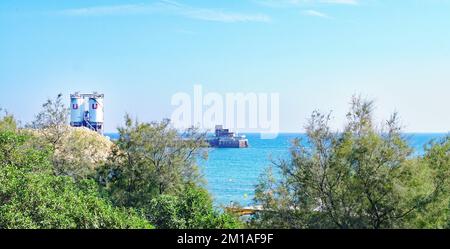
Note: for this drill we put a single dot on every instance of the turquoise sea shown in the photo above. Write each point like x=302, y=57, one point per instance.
x=231, y=174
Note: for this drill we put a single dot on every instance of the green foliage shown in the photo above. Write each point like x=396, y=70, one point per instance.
x=45, y=176
x=278, y=205
x=7, y=122
x=192, y=210
x=54, y=113
x=52, y=121
x=151, y=159
x=163, y=212
x=31, y=196
x=358, y=178
x=430, y=182
x=362, y=177
x=18, y=150
x=41, y=200
x=154, y=169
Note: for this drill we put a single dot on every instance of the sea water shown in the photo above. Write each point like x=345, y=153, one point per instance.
x=231, y=174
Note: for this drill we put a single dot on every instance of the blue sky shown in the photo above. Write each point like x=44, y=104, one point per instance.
x=315, y=53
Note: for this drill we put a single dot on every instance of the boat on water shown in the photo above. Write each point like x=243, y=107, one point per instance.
x=223, y=138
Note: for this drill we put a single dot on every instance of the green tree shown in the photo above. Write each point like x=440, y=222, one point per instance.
x=52, y=121
x=356, y=178
x=31, y=196
x=429, y=182
x=192, y=210
x=154, y=169
x=152, y=159
x=17, y=150
x=7, y=122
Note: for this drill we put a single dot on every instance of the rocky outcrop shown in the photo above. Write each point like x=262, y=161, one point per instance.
x=81, y=151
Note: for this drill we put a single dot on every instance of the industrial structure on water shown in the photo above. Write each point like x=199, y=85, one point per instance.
x=223, y=138
x=86, y=110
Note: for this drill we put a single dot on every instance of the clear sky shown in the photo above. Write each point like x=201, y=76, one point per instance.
x=315, y=53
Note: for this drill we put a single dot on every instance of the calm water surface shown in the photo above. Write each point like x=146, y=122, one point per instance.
x=232, y=174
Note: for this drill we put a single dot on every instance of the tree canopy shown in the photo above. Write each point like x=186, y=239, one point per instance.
x=361, y=177
x=31, y=196
x=54, y=176
x=154, y=168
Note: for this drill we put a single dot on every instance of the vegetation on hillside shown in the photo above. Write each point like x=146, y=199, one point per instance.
x=32, y=196
x=55, y=176
x=154, y=169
